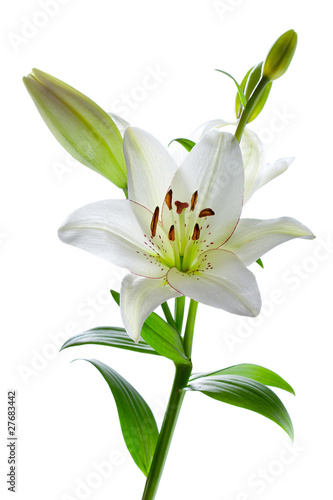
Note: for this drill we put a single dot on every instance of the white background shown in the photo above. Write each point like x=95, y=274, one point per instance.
x=67, y=420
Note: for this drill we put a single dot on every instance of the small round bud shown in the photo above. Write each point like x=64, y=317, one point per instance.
x=280, y=55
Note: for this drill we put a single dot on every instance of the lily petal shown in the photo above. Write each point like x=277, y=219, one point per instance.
x=252, y=153
x=139, y=297
x=272, y=170
x=253, y=158
x=114, y=231
x=214, y=168
x=150, y=168
x=120, y=123
x=254, y=237
x=257, y=173
x=220, y=280
x=196, y=135
x=199, y=132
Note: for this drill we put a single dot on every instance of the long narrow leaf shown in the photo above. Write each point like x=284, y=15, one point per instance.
x=254, y=372
x=245, y=393
x=136, y=419
x=161, y=336
x=109, y=336
x=239, y=89
x=238, y=104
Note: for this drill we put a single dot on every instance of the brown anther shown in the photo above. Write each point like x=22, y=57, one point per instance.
x=154, y=221
x=194, y=200
x=180, y=206
x=171, y=234
x=168, y=199
x=206, y=212
x=196, y=232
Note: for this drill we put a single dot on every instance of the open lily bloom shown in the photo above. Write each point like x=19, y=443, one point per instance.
x=179, y=233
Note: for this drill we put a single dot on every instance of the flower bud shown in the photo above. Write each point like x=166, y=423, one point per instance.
x=86, y=131
x=280, y=55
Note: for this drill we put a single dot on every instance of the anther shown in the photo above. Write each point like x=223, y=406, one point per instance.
x=168, y=199
x=171, y=234
x=206, y=212
x=154, y=221
x=194, y=200
x=180, y=206
x=196, y=232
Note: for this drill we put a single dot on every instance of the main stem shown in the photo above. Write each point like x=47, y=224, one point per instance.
x=177, y=395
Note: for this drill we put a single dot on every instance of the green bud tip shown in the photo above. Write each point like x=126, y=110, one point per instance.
x=280, y=55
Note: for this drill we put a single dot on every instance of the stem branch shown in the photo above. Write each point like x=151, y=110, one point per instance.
x=189, y=330
x=249, y=107
x=179, y=312
x=168, y=316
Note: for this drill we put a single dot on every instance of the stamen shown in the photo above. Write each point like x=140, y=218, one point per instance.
x=206, y=212
x=168, y=199
x=196, y=232
x=194, y=200
x=180, y=206
x=154, y=221
x=171, y=234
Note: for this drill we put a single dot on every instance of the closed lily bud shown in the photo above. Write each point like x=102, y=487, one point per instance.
x=280, y=55
x=86, y=131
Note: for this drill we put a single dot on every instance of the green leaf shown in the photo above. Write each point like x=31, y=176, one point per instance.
x=260, y=103
x=245, y=393
x=239, y=88
x=109, y=336
x=253, y=79
x=86, y=131
x=116, y=296
x=136, y=419
x=248, y=84
x=259, y=261
x=238, y=104
x=161, y=337
x=255, y=372
x=164, y=339
x=186, y=143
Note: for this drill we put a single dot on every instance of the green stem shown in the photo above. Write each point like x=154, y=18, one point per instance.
x=249, y=107
x=189, y=330
x=182, y=375
x=179, y=312
x=169, y=317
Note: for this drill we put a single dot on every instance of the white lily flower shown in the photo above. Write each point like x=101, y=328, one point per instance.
x=257, y=172
x=179, y=232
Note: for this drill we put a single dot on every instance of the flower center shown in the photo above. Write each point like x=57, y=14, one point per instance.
x=186, y=230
